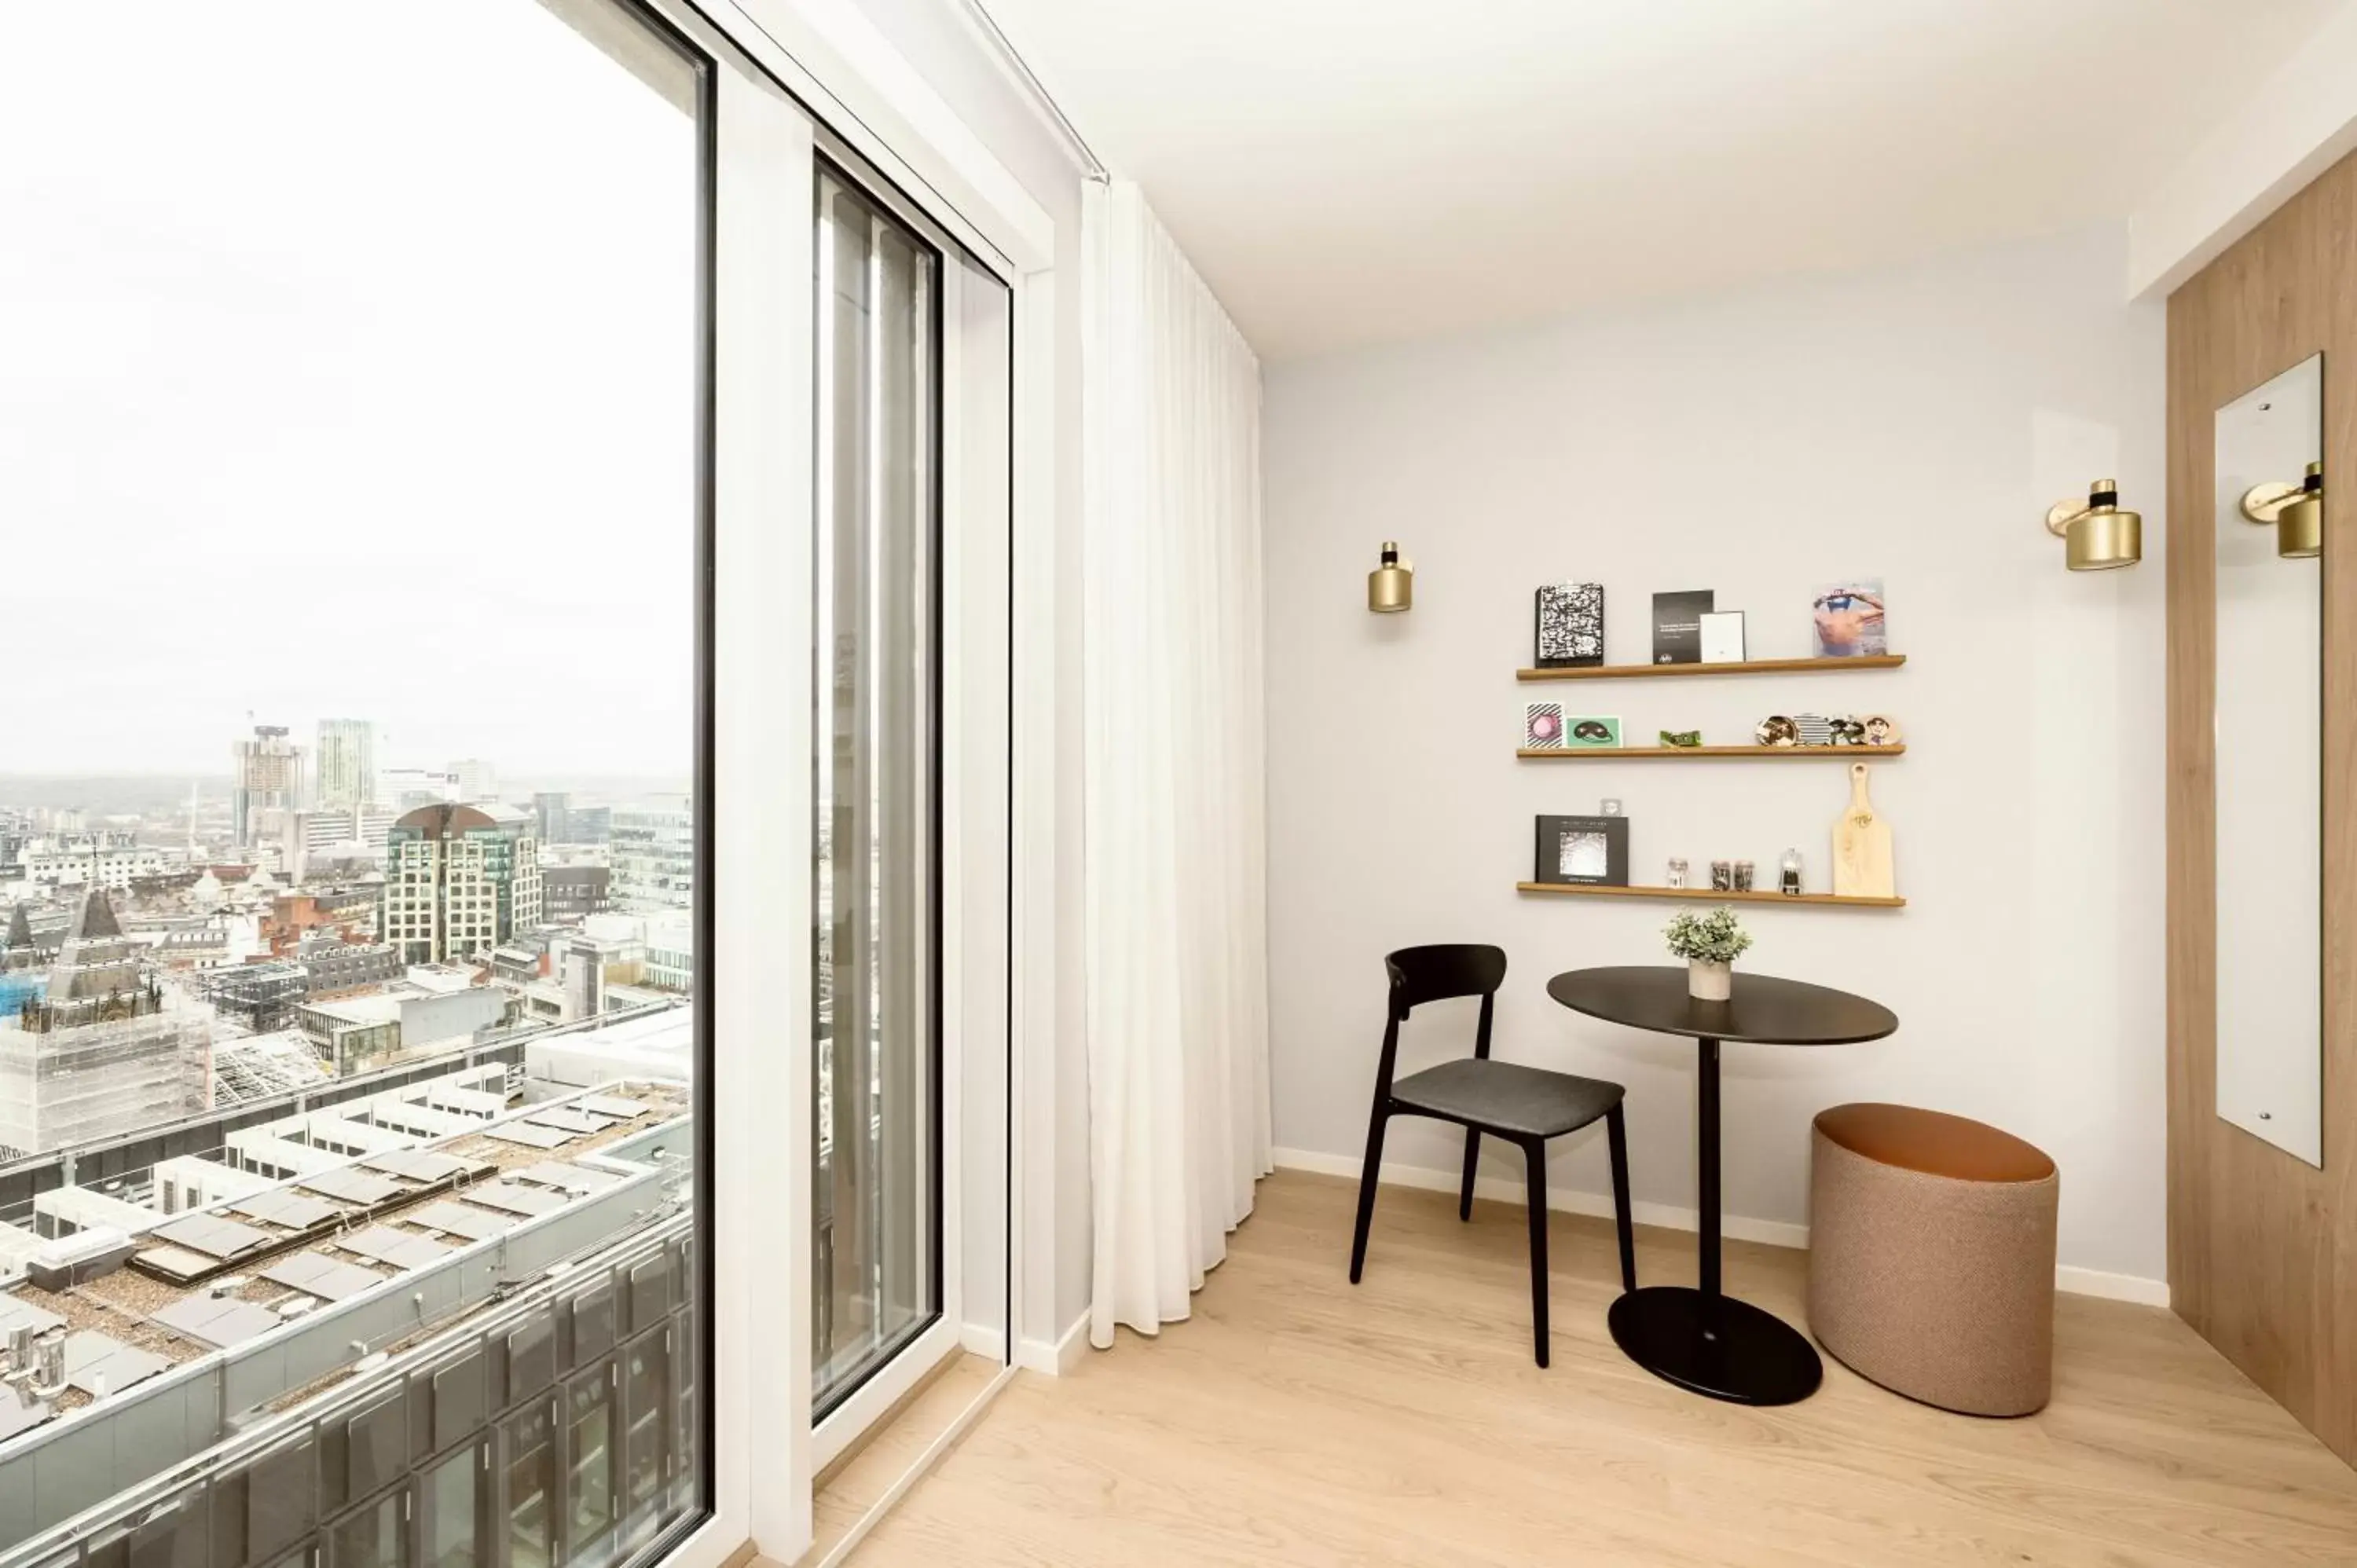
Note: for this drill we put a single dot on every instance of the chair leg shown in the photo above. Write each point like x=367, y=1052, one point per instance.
x=1535, y=1157
x=1472, y=1158
x=1616, y=1134
x=1367, y=1191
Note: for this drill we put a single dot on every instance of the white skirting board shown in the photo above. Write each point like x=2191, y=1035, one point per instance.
x=1775, y=1233
x=1058, y=1357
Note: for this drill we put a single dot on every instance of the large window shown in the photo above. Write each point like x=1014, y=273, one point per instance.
x=356, y=475
x=875, y=781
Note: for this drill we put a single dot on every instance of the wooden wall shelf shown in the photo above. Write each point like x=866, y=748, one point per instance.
x=1749, y=667
x=1763, y=753
x=1709, y=895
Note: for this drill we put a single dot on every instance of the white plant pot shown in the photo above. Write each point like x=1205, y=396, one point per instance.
x=1709, y=981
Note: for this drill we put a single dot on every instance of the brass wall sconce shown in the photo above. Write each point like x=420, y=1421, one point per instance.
x=2096, y=535
x=2296, y=511
x=1390, y=588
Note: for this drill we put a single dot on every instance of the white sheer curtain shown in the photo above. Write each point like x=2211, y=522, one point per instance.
x=1177, y=974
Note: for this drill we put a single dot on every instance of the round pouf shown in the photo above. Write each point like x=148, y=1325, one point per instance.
x=1932, y=1256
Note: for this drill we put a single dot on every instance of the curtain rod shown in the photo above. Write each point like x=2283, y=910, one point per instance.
x=1041, y=98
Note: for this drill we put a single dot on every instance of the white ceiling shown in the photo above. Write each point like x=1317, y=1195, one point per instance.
x=1346, y=171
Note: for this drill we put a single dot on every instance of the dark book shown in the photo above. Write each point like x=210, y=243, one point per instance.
x=1569, y=625
x=1590, y=850
x=1677, y=625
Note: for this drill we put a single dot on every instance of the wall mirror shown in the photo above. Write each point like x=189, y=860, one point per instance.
x=2269, y=772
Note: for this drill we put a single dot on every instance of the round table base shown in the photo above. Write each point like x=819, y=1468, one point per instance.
x=1728, y=1349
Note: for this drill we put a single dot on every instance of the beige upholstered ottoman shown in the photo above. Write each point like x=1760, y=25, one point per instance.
x=1932, y=1256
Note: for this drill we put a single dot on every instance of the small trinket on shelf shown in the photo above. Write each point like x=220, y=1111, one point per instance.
x=1792, y=877
x=1677, y=872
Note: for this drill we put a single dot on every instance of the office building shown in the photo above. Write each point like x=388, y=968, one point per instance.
x=653, y=857
x=570, y=893
x=102, y=1048
x=346, y=768
x=457, y=884
x=550, y=810
x=107, y=858
x=406, y=789
x=265, y=775
x=475, y=779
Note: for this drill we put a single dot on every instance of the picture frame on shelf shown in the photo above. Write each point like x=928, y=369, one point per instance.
x=1583, y=851
x=1846, y=620
x=1722, y=637
x=1542, y=727
x=1591, y=731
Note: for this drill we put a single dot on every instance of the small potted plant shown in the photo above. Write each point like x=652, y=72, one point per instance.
x=1710, y=944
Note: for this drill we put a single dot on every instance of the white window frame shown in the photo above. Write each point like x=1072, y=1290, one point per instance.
x=765, y=1453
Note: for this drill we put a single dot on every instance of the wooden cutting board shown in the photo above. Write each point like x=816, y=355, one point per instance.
x=1862, y=866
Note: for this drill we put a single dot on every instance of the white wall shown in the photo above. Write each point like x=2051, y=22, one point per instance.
x=1913, y=423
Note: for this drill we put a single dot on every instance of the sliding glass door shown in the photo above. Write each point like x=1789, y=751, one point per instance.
x=875, y=771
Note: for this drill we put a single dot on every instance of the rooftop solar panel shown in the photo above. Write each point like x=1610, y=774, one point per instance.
x=213, y=1235
x=176, y=1262
x=292, y=1209
x=217, y=1321
x=20, y=1411
x=15, y=1313
x=352, y=1186
x=386, y=1245
x=458, y=1220
x=98, y=1363
x=568, y=1120
x=420, y=1164
x=527, y=1133
x=611, y=1105
x=325, y=1278
x=514, y=1200
x=565, y=1177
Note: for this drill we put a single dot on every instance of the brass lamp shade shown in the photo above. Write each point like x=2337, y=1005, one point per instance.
x=1390, y=588
x=2097, y=536
x=2297, y=510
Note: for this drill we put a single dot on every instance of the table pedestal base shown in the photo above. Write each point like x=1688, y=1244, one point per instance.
x=1717, y=1346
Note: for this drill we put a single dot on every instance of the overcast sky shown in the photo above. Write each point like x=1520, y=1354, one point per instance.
x=346, y=370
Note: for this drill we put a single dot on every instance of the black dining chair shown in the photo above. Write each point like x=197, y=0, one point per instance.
x=1523, y=1105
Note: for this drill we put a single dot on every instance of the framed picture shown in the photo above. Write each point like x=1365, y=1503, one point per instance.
x=1722, y=637
x=1568, y=625
x=1677, y=625
x=1590, y=729
x=1846, y=619
x=1542, y=727
x=1588, y=850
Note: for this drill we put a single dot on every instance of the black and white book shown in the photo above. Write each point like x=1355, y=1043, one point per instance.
x=1569, y=625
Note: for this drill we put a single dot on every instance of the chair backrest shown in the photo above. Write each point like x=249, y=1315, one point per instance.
x=1449, y=969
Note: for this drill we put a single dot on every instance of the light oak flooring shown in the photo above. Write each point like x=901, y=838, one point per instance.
x=853, y=1484
x=1296, y=1420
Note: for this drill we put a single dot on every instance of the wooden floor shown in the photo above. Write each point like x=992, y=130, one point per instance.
x=851, y=1487
x=1296, y=1420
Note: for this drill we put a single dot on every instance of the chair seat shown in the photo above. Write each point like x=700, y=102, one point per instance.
x=1529, y=1102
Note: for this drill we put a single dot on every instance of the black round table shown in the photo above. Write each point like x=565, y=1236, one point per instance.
x=1701, y=1338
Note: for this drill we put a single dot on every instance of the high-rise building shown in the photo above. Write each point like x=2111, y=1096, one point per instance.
x=457, y=884
x=101, y=1050
x=406, y=789
x=267, y=776
x=347, y=763
x=551, y=810
x=653, y=854
x=477, y=779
